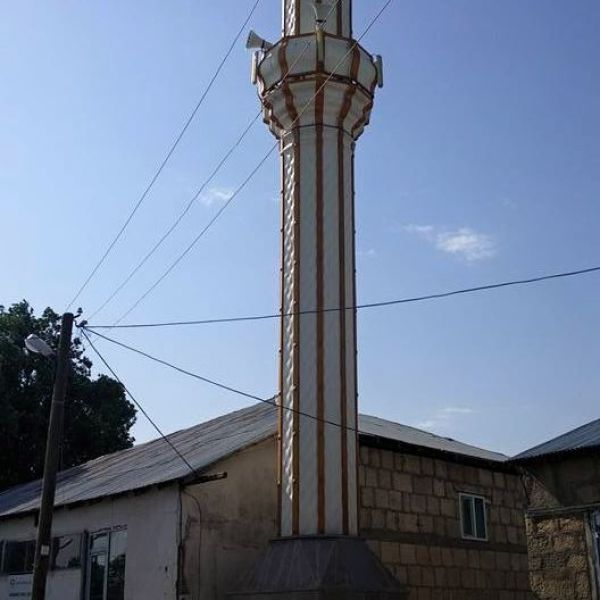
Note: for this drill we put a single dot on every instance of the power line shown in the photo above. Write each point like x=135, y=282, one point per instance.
x=167, y=157
x=178, y=219
x=252, y=173
x=194, y=241
x=140, y=407
x=384, y=303
x=213, y=174
x=212, y=382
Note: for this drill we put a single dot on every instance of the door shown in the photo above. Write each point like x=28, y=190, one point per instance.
x=106, y=565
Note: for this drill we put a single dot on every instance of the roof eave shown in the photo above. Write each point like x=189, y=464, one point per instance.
x=557, y=455
x=385, y=443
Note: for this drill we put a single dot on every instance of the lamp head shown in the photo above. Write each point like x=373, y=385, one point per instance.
x=37, y=345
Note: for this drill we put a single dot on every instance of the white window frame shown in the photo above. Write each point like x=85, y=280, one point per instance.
x=473, y=497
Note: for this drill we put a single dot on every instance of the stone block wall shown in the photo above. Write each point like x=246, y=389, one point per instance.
x=409, y=512
x=560, y=557
x=563, y=493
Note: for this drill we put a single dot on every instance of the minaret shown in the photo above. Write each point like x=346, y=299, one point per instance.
x=316, y=86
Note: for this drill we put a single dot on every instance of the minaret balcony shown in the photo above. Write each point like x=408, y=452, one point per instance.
x=290, y=77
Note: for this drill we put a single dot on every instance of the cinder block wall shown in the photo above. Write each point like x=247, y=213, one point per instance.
x=560, y=557
x=409, y=513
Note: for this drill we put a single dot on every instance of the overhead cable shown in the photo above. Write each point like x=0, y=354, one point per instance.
x=384, y=303
x=139, y=406
x=166, y=159
x=252, y=173
x=197, y=194
x=215, y=383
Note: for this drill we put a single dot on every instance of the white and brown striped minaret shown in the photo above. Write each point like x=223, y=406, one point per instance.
x=316, y=86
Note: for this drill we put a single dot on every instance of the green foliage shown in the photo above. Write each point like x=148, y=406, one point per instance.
x=98, y=416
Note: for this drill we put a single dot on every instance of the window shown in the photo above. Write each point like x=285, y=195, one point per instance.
x=18, y=557
x=106, y=565
x=116, y=565
x=66, y=552
x=473, y=517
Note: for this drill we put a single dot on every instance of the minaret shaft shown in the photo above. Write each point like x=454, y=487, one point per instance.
x=318, y=350
x=317, y=85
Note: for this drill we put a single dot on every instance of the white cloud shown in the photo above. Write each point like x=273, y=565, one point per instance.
x=444, y=418
x=424, y=230
x=464, y=242
x=369, y=253
x=457, y=410
x=215, y=195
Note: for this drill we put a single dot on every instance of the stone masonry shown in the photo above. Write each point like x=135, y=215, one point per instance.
x=409, y=512
x=563, y=494
x=559, y=557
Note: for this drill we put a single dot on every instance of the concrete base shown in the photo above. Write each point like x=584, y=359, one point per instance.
x=319, y=568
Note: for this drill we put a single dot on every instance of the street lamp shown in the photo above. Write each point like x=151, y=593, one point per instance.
x=35, y=344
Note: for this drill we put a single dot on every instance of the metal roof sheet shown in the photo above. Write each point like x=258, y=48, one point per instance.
x=154, y=462
x=586, y=436
x=417, y=437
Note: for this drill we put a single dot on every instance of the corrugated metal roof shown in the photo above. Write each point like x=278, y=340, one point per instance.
x=155, y=462
x=586, y=436
x=417, y=437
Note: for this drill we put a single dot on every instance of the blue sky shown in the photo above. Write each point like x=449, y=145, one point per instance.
x=481, y=163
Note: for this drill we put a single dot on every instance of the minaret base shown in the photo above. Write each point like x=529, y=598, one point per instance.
x=319, y=568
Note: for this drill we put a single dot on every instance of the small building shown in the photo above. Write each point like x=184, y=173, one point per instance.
x=562, y=481
x=445, y=517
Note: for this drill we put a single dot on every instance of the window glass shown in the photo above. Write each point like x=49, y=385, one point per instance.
x=480, y=530
x=97, y=576
x=116, y=565
x=99, y=542
x=29, y=556
x=18, y=557
x=66, y=552
x=473, y=517
x=467, y=516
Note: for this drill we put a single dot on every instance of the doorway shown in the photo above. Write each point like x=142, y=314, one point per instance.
x=106, y=565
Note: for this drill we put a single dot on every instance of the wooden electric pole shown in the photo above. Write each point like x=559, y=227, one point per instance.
x=55, y=431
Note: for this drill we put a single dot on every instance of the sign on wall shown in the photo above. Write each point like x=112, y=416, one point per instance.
x=19, y=586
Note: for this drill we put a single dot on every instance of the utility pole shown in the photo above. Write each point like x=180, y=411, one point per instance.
x=55, y=431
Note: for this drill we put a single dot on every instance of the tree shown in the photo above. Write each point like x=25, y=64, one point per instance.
x=98, y=416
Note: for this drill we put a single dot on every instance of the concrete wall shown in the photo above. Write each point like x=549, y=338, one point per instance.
x=562, y=493
x=410, y=515
x=151, y=519
x=227, y=523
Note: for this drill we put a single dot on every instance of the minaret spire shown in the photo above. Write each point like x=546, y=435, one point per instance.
x=317, y=87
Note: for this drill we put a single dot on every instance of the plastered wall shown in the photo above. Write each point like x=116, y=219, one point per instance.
x=151, y=565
